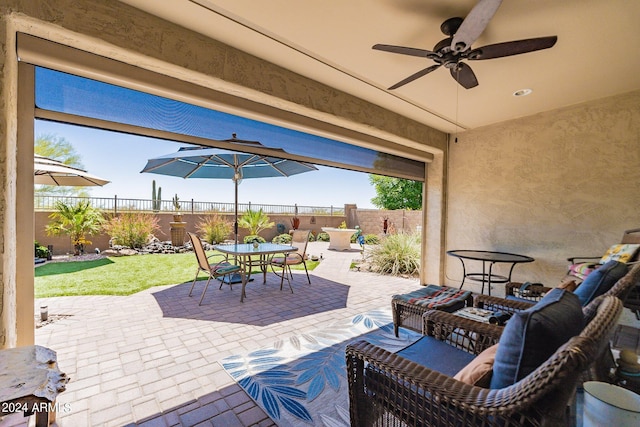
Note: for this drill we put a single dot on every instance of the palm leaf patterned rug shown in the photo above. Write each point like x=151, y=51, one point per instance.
x=302, y=380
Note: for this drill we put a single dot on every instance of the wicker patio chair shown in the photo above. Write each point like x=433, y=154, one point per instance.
x=386, y=389
x=219, y=269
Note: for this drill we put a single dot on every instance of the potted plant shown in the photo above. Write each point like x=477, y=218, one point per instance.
x=295, y=222
x=177, y=216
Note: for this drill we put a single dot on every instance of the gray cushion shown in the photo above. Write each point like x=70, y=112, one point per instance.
x=600, y=281
x=437, y=355
x=533, y=335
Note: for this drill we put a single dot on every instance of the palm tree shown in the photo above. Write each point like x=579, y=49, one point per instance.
x=255, y=222
x=76, y=221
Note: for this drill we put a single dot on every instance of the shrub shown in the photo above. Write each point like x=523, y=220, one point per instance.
x=41, y=251
x=254, y=238
x=282, y=239
x=322, y=237
x=312, y=237
x=214, y=228
x=397, y=254
x=371, y=239
x=131, y=229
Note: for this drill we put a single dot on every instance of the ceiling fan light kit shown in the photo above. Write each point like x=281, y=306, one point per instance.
x=462, y=33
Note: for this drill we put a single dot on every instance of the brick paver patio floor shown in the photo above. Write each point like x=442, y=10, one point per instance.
x=151, y=359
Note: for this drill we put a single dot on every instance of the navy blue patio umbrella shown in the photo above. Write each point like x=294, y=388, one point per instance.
x=214, y=163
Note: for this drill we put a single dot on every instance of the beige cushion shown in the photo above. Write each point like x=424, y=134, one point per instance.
x=568, y=284
x=478, y=371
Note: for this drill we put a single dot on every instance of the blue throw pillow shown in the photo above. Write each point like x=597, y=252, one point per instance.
x=600, y=281
x=533, y=335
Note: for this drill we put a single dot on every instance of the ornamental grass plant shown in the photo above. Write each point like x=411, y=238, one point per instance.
x=397, y=254
x=131, y=229
x=213, y=228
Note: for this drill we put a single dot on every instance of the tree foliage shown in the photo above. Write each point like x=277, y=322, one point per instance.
x=255, y=221
x=57, y=148
x=77, y=221
x=396, y=193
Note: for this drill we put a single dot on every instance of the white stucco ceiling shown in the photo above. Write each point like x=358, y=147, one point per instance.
x=597, y=53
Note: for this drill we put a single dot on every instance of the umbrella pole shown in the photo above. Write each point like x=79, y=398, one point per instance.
x=235, y=224
x=235, y=277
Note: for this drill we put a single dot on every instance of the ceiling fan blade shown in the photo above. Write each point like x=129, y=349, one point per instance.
x=464, y=75
x=415, y=76
x=474, y=24
x=423, y=53
x=516, y=47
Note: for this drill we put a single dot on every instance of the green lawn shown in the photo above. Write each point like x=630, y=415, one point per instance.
x=118, y=275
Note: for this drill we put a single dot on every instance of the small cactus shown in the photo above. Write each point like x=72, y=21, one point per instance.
x=176, y=202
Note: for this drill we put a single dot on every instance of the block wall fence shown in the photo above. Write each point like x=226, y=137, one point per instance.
x=369, y=220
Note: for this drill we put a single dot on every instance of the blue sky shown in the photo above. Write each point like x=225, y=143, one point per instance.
x=120, y=158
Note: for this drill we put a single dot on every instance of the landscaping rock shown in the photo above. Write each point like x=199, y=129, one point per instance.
x=155, y=246
x=121, y=251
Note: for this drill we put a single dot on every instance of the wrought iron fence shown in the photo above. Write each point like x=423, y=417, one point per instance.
x=116, y=205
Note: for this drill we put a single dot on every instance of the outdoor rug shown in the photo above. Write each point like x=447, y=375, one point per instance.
x=303, y=380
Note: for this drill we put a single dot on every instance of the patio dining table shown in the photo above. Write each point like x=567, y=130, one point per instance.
x=249, y=255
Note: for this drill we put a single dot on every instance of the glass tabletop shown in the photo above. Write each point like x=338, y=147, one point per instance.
x=490, y=256
x=249, y=249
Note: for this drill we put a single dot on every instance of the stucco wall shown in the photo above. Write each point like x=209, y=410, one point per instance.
x=559, y=184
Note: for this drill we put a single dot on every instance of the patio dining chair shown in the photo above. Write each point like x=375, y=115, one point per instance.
x=299, y=239
x=214, y=270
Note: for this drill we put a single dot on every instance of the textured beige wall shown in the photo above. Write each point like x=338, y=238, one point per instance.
x=550, y=186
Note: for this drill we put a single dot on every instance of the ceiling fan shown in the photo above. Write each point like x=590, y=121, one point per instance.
x=462, y=33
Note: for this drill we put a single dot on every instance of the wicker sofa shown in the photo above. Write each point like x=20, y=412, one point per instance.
x=386, y=389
